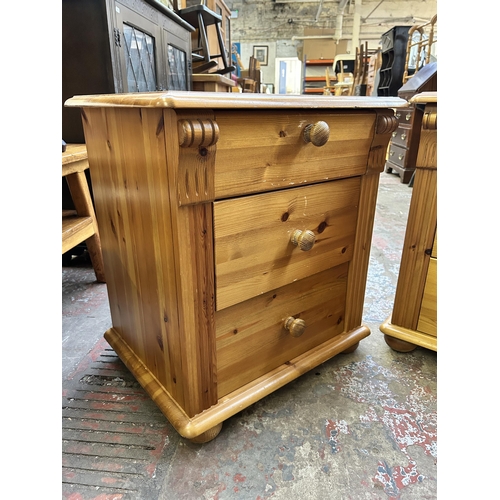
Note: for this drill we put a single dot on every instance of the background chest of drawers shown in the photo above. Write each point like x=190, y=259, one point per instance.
x=414, y=317
x=236, y=234
x=404, y=144
x=405, y=140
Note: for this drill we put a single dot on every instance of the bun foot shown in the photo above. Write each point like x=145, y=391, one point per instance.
x=207, y=435
x=398, y=344
x=351, y=349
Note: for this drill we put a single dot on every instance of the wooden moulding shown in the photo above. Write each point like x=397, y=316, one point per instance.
x=238, y=400
x=411, y=336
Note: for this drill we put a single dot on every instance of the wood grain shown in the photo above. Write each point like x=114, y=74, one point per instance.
x=253, y=251
x=224, y=100
x=418, y=242
x=199, y=195
x=269, y=152
x=414, y=316
x=358, y=267
x=251, y=338
x=427, y=320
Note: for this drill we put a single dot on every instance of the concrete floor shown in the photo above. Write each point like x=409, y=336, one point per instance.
x=360, y=426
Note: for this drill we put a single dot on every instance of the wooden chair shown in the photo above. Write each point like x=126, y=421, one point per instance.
x=80, y=225
x=201, y=17
x=422, y=37
x=344, y=80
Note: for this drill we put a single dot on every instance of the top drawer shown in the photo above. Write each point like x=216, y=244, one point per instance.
x=261, y=151
x=404, y=116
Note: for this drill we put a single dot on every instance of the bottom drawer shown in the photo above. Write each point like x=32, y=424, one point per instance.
x=252, y=339
x=427, y=321
x=397, y=155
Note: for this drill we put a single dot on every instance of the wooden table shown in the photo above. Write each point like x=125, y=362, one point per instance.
x=238, y=230
x=212, y=82
x=80, y=224
x=414, y=317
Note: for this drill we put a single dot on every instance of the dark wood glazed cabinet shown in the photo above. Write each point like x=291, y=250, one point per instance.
x=101, y=38
x=393, y=44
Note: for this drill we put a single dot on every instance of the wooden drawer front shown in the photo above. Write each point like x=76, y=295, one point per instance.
x=265, y=151
x=434, y=252
x=405, y=116
x=427, y=321
x=397, y=155
x=401, y=136
x=253, y=251
x=251, y=338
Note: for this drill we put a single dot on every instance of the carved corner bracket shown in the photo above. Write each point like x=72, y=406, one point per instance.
x=195, y=133
x=386, y=124
x=197, y=140
x=429, y=120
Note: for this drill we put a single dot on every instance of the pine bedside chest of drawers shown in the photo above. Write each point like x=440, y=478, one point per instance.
x=414, y=316
x=236, y=233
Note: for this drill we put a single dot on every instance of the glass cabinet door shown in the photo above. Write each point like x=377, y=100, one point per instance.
x=155, y=51
x=177, y=68
x=140, y=60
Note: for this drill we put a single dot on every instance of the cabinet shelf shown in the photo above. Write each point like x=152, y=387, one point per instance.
x=314, y=90
x=318, y=79
x=319, y=62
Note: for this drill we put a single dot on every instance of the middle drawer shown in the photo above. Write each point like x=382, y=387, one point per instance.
x=254, y=247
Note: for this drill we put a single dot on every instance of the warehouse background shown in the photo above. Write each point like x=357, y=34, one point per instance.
x=316, y=29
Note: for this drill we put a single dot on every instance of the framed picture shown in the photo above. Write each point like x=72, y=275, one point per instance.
x=260, y=52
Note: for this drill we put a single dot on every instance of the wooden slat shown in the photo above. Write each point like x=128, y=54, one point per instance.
x=74, y=153
x=75, y=230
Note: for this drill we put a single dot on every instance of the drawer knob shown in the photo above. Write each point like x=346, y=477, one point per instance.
x=303, y=239
x=403, y=136
x=317, y=133
x=295, y=326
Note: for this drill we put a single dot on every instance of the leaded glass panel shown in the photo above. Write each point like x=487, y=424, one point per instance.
x=139, y=60
x=177, y=69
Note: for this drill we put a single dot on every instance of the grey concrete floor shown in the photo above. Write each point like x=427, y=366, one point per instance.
x=360, y=426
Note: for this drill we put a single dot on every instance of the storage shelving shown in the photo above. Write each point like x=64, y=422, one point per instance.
x=315, y=75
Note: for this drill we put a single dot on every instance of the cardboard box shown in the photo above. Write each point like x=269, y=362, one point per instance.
x=322, y=48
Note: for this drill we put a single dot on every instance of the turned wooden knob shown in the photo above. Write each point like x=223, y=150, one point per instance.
x=295, y=326
x=317, y=133
x=303, y=239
